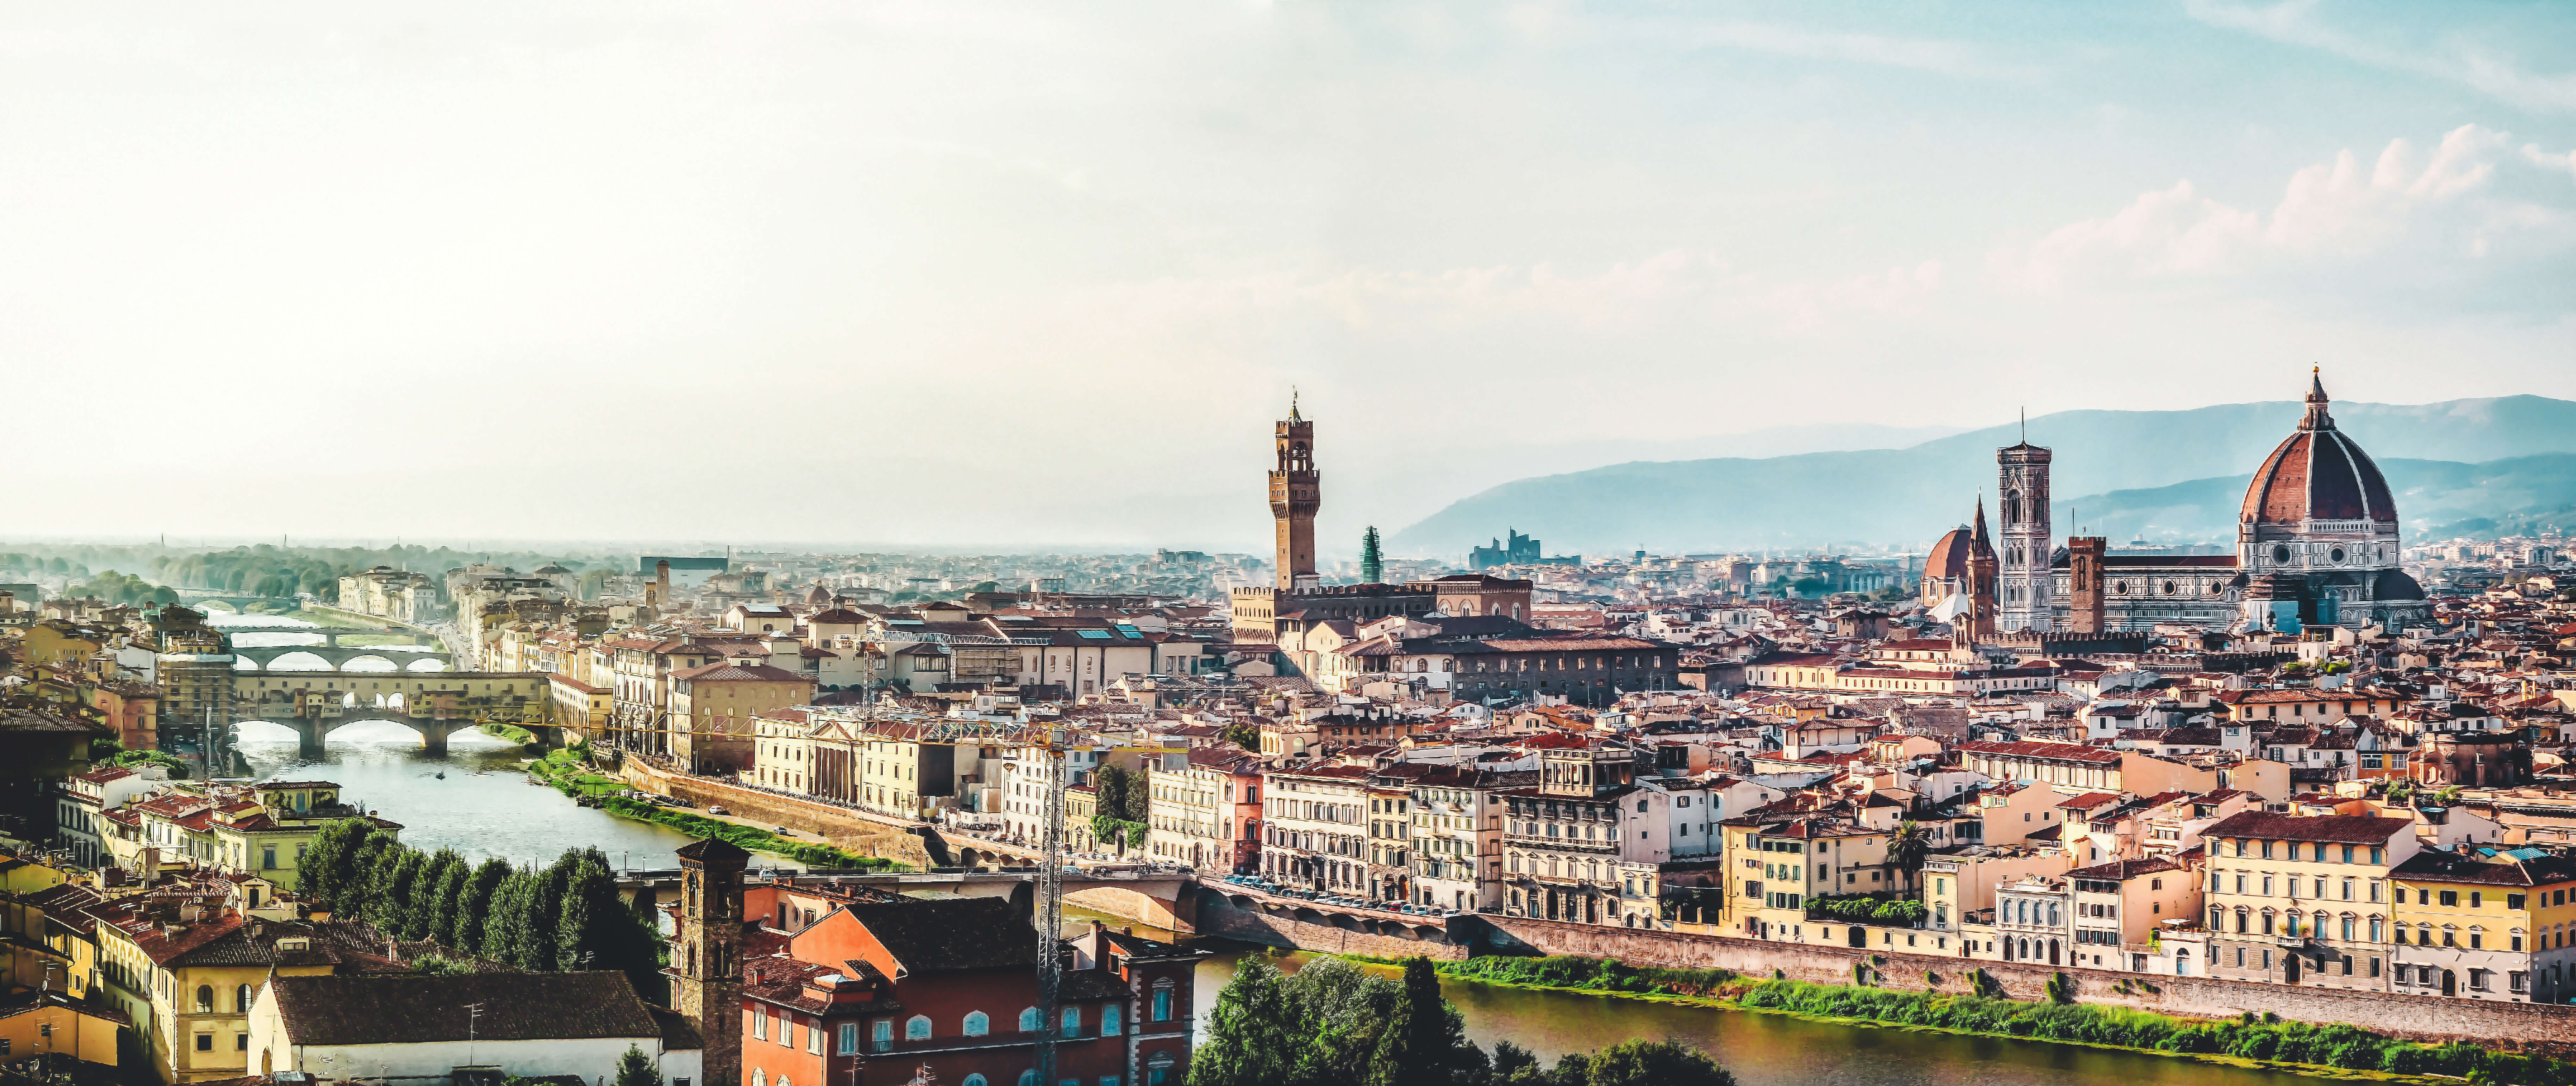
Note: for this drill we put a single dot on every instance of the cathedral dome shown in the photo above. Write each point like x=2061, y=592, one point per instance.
x=2318, y=474
x=1950, y=556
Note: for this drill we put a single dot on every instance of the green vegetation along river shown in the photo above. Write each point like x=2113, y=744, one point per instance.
x=1782, y=1050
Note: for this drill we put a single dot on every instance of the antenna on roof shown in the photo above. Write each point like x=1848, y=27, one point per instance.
x=2025, y=425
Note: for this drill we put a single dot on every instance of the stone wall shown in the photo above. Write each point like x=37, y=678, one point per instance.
x=844, y=828
x=2541, y=1028
x=1219, y=915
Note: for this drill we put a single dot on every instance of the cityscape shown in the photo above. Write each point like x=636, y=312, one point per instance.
x=808, y=623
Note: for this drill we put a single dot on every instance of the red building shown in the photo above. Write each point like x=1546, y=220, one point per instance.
x=871, y=993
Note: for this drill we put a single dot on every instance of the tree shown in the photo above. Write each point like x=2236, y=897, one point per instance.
x=1423, y=1036
x=1654, y=1063
x=1908, y=847
x=474, y=906
x=500, y=935
x=591, y=923
x=399, y=869
x=325, y=867
x=1255, y=1033
x=434, y=909
x=1243, y=733
x=635, y=1069
x=1515, y=1066
x=541, y=915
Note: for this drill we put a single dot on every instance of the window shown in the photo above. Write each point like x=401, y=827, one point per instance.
x=849, y=1045
x=758, y=1079
x=1162, y=1001
x=917, y=1028
x=973, y=1080
x=1111, y=1027
x=1029, y=1023
x=1073, y=1021
x=1029, y=1078
x=814, y=1037
x=241, y=999
x=205, y=1042
x=881, y=1035
x=977, y=1024
x=759, y=1026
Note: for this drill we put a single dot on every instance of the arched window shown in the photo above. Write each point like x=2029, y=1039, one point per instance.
x=241, y=999
x=205, y=999
x=917, y=1028
x=1029, y=1023
x=977, y=1024
x=1027, y=1078
x=973, y=1080
x=758, y=1079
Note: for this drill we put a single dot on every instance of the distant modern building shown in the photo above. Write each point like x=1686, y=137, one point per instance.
x=1514, y=549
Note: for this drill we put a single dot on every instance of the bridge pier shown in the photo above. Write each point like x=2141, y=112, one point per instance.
x=434, y=733
x=308, y=738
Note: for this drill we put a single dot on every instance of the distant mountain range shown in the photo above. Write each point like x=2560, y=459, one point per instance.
x=2458, y=467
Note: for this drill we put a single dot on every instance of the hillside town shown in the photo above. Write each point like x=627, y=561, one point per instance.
x=2327, y=761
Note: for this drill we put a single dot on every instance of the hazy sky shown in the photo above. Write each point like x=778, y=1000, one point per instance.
x=954, y=272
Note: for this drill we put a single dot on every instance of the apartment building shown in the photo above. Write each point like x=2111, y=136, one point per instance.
x=1314, y=825
x=2485, y=924
x=2304, y=899
x=1207, y=812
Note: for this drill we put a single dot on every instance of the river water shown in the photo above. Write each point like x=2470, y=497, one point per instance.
x=484, y=807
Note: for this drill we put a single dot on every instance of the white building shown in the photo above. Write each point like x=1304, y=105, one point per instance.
x=409, y=1028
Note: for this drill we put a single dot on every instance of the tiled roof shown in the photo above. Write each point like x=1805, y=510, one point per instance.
x=416, y=1009
x=938, y=936
x=2341, y=829
x=2071, y=752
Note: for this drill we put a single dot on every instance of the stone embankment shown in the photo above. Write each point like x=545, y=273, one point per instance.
x=2541, y=1029
x=835, y=826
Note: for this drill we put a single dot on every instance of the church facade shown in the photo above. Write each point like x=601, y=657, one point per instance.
x=2316, y=545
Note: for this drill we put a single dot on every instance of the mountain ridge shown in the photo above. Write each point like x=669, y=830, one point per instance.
x=1912, y=494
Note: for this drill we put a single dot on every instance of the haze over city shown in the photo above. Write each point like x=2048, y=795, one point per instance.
x=1004, y=275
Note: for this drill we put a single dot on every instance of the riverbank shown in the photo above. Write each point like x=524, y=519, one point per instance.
x=819, y=857
x=2326, y=1052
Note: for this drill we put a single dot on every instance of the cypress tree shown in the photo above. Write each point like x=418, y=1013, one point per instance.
x=500, y=940
x=586, y=931
x=362, y=874
x=541, y=914
x=474, y=906
x=434, y=908
x=395, y=889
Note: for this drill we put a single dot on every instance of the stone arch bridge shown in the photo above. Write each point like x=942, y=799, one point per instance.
x=1163, y=899
x=436, y=704
x=266, y=656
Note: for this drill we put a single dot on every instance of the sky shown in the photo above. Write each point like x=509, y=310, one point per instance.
x=996, y=275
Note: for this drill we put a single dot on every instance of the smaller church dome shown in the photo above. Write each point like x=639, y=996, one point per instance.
x=1950, y=555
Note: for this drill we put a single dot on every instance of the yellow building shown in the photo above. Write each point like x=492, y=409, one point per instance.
x=2303, y=899
x=56, y=643
x=187, y=966
x=2482, y=925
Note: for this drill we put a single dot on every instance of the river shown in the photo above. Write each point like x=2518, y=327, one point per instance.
x=1779, y=1050
x=484, y=807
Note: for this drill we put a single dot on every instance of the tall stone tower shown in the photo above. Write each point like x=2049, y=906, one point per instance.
x=2084, y=583
x=2022, y=479
x=706, y=954
x=1296, y=491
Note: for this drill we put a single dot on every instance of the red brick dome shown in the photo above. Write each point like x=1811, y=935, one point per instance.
x=2318, y=474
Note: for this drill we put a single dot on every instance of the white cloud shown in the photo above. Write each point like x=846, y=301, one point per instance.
x=2438, y=206
x=2294, y=22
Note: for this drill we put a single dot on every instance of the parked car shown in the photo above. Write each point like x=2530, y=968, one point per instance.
x=718, y=811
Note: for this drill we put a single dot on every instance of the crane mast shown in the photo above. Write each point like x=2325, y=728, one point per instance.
x=1050, y=904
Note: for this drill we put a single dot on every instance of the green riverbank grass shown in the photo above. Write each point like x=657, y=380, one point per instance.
x=2319, y=1051
x=748, y=837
